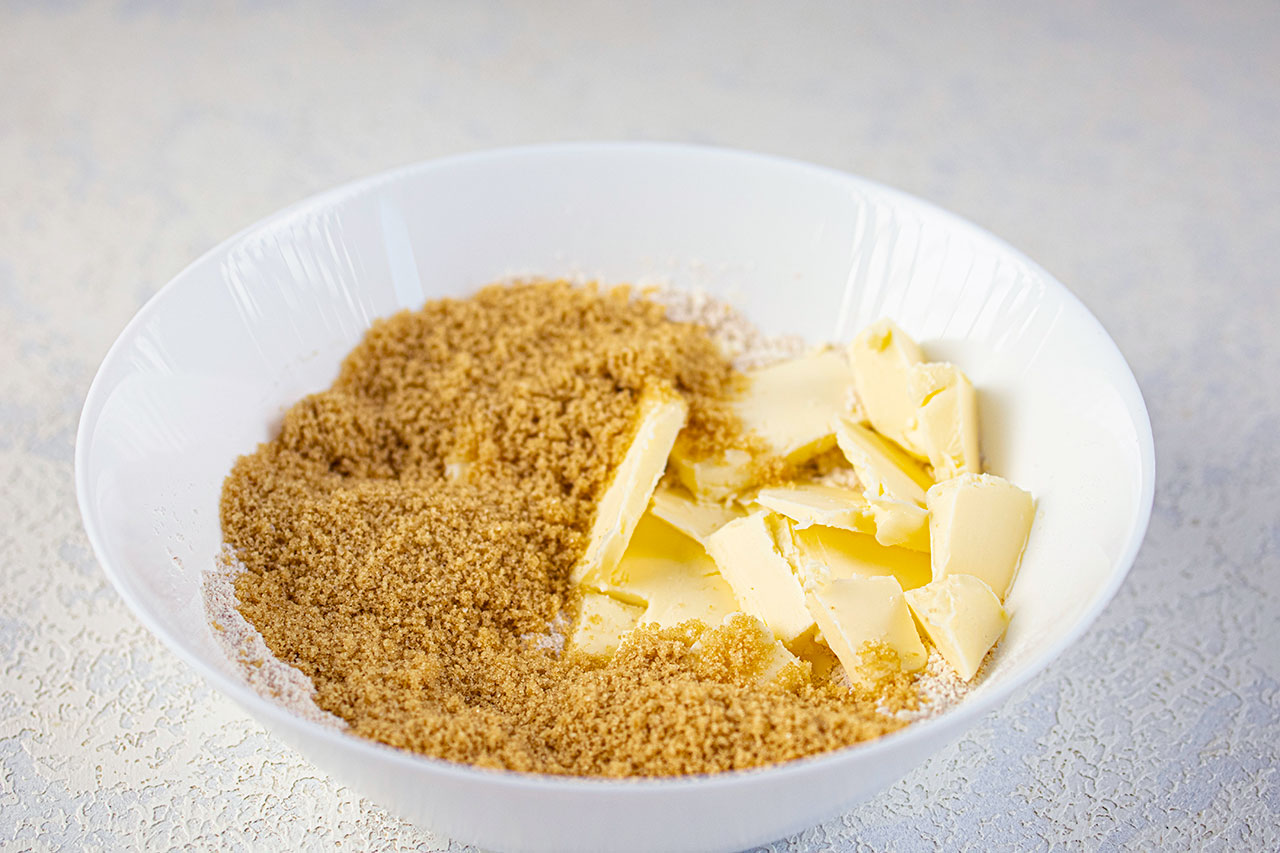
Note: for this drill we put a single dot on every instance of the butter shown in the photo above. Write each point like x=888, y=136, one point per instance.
x=884, y=469
x=716, y=479
x=661, y=416
x=945, y=423
x=813, y=503
x=671, y=577
x=962, y=617
x=841, y=554
x=899, y=522
x=789, y=406
x=602, y=623
x=773, y=666
x=861, y=612
x=978, y=525
x=882, y=356
x=695, y=519
x=747, y=555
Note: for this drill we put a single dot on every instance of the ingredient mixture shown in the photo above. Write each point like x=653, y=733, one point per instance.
x=555, y=529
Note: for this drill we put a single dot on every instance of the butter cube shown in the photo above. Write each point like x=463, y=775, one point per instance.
x=962, y=617
x=671, y=577
x=660, y=417
x=602, y=623
x=789, y=406
x=882, y=356
x=945, y=423
x=860, y=612
x=694, y=518
x=883, y=468
x=978, y=525
x=747, y=554
x=813, y=503
x=842, y=554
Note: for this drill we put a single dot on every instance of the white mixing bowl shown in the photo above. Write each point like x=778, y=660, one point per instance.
x=205, y=370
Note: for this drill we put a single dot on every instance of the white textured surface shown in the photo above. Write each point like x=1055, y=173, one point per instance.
x=1132, y=153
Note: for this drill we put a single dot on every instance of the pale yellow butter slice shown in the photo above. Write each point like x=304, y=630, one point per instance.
x=962, y=617
x=978, y=525
x=903, y=523
x=882, y=356
x=671, y=576
x=788, y=406
x=716, y=479
x=843, y=554
x=661, y=416
x=694, y=518
x=884, y=468
x=861, y=611
x=945, y=423
x=748, y=558
x=602, y=623
x=814, y=503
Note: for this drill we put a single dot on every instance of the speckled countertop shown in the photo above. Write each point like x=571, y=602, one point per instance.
x=1130, y=148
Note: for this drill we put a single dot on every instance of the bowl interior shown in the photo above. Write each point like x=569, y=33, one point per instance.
x=206, y=369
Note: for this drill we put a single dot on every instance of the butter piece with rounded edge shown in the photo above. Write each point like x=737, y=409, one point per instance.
x=671, y=576
x=881, y=357
x=866, y=611
x=978, y=525
x=659, y=419
x=944, y=425
x=962, y=617
x=602, y=623
x=747, y=555
x=884, y=468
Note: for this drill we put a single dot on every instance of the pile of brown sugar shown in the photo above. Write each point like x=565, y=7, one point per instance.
x=409, y=536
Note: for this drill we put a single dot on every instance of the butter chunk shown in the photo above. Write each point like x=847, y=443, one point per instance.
x=814, y=503
x=978, y=525
x=747, y=554
x=790, y=404
x=602, y=623
x=766, y=663
x=789, y=407
x=661, y=416
x=842, y=554
x=899, y=522
x=962, y=617
x=715, y=479
x=671, y=576
x=862, y=612
x=882, y=356
x=694, y=518
x=945, y=423
x=883, y=468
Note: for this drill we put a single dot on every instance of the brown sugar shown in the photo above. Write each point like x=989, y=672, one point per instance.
x=409, y=535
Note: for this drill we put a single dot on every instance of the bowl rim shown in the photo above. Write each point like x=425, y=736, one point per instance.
x=957, y=719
